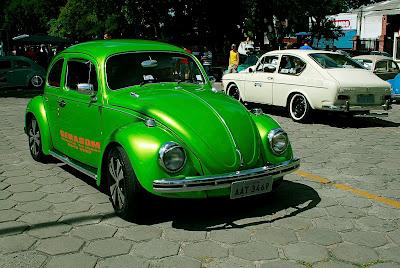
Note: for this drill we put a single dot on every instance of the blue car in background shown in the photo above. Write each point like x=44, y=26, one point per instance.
x=385, y=68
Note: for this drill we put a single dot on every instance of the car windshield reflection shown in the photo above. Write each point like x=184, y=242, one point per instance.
x=330, y=61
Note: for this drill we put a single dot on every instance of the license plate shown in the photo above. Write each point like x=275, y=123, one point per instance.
x=251, y=187
x=365, y=98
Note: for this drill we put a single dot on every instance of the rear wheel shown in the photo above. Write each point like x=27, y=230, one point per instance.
x=299, y=108
x=122, y=184
x=35, y=140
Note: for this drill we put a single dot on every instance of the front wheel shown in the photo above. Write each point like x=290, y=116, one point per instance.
x=122, y=184
x=234, y=92
x=299, y=108
x=35, y=140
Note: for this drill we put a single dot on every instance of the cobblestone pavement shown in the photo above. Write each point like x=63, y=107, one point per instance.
x=52, y=216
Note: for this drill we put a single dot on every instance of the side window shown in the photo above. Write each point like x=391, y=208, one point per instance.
x=268, y=64
x=21, y=64
x=381, y=66
x=393, y=67
x=55, y=74
x=291, y=65
x=5, y=64
x=81, y=76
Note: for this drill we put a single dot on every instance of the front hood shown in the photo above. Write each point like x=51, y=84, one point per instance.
x=356, y=78
x=212, y=125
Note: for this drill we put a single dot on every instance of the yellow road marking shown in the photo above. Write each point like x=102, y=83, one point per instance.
x=344, y=187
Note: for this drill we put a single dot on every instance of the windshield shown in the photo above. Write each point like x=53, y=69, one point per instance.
x=251, y=60
x=329, y=61
x=130, y=69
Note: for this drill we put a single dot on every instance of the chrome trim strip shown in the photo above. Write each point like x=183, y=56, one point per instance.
x=212, y=182
x=67, y=161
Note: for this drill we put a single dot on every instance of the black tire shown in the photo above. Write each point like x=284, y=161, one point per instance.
x=35, y=140
x=36, y=82
x=234, y=92
x=299, y=108
x=123, y=186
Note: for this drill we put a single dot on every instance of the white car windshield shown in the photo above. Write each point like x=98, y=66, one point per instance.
x=130, y=69
x=330, y=61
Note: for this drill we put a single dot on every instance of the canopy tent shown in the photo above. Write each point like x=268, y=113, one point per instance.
x=37, y=39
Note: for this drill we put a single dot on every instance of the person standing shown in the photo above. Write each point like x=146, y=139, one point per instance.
x=206, y=59
x=233, y=59
x=305, y=46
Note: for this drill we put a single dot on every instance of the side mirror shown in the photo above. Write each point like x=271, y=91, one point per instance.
x=85, y=88
x=250, y=70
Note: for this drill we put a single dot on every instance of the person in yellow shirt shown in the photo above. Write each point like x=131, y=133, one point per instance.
x=233, y=59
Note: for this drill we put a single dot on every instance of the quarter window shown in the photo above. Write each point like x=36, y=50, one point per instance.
x=81, y=76
x=5, y=64
x=54, y=78
x=21, y=64
x=393, y=67
x=381, y=66
x=291, y=65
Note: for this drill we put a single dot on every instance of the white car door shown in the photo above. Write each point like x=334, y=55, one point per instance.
x=259, y=82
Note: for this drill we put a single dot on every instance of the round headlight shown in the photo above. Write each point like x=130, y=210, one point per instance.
x=278, y=140
x=172, y=157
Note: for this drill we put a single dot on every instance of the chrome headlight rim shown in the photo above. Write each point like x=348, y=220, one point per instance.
x=163, y=151
x=272, y=134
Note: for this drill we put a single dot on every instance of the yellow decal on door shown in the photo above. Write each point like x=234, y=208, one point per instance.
x=80, y=143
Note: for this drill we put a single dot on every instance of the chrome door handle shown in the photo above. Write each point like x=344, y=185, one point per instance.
x=257, y=84
x=270, y=78
x=62, y=103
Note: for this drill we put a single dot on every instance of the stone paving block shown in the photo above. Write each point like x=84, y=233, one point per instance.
x=7, y=204
x=9, y=215
x=49, y=180
x=281, y=264
x=255, y=251
x=12, y=228
x=183, y=235
x=345, y=212
x=55, y=188
x=85, y=189
x=230, y=262
x=322, y=237
x=140, y=233
x=385, y=265
x=61, y=197
x=364, y=238
x=27, y=196
x=278, y=236
x=97, y=198
x=355, y=253
x=16, y=173
x=395, y=236
x=372, y=223
x=124, y=261
x=333, y=264
x=108, y=247
x=231, y=236
x=204, y=250
x=73, y=261
x=11, y=244
x=355, y=202
x=31, y=259
x=390, y=254
x=72, y=207
x=23, y=187
x=60, y=245
x=293, y=223
x=118, y=222
x=304, y=251
x=92, y=232
x=177, y=262
x=41, y=217
x=327, y=202
x=313, y=213
x=34, y=206
x=386, y=213
x=156, y=249
x=334, y=224
x=57, y=229
x=4, y=194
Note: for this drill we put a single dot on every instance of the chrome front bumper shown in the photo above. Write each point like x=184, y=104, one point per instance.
x=212, y=182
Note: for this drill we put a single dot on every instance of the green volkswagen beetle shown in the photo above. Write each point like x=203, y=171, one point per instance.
x=142, y=117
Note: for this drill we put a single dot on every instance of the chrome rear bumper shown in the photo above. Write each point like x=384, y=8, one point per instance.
x=348, y=107
x=212, y=182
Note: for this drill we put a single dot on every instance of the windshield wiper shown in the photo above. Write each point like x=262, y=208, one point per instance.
x=145, y=82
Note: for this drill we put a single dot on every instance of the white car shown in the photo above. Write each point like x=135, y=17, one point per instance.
x=303, y=80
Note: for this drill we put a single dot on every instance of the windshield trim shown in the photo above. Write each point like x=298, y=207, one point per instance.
x=150, y=51
x=327, y=68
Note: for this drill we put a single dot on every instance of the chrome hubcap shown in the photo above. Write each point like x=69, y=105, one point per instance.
x=117, y=183
x=36, y=81
x=34, y=138
x=298, y=107
x=234, y=93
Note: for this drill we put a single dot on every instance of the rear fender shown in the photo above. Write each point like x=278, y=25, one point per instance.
x=36, y=108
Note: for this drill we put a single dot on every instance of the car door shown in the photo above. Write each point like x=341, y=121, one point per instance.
x=259, y=82
x=80, y=112
x=381, y=69
x=5, y=69
x=20, y=72
x=393, y=69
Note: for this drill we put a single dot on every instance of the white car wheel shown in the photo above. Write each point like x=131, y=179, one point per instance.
x=234, y=92
x=299, y=108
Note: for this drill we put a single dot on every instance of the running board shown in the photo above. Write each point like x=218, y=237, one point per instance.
x=72, y=164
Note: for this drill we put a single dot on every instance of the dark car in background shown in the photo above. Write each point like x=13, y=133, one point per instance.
x=17, y=71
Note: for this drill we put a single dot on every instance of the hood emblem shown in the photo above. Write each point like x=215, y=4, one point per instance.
x=240, y=157
x=150, y=122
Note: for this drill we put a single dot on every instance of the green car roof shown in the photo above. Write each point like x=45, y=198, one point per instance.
x=104, y=48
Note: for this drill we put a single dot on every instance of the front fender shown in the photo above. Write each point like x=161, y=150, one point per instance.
x=142, y=144
x=36, y=108
x=264, y=125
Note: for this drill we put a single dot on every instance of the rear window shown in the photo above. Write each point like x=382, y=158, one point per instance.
x=366, y=63
x=331, y=61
